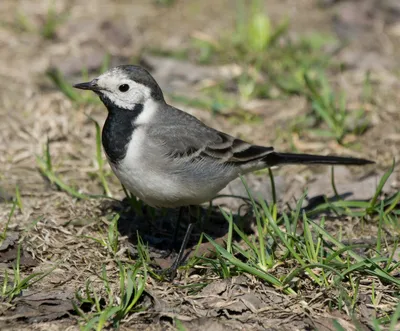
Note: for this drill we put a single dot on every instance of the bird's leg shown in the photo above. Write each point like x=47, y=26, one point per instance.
x=178, y=223
x=172, y=270
x=175, y=235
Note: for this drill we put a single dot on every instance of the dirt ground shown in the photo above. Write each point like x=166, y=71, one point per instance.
x=56, y=226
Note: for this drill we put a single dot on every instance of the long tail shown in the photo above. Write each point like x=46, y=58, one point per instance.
x=275, y=158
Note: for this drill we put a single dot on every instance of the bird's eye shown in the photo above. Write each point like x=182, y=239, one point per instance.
x=123, y=87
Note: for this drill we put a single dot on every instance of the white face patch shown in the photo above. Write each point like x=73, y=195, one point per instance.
x=110, y=82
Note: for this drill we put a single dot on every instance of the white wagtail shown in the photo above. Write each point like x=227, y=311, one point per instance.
x=168, y=158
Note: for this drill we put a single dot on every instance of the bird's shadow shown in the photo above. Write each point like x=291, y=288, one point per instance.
x=156, y=227
x=318, y=200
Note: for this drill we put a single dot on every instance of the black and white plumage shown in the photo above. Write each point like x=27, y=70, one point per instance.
x=167, y=157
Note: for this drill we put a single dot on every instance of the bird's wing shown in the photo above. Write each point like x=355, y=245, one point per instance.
x=228, y=149
x=189, y=138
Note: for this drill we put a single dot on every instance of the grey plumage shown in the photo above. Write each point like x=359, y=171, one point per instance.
x=183, y=134
x=169, y=158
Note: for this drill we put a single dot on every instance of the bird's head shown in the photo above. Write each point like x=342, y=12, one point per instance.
x=125, y=86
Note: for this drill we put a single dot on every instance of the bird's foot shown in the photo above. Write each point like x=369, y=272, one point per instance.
x=167, y=274
x=166, y=254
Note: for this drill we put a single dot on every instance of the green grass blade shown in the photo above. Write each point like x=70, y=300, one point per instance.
x=376, y=269
x=395, y=319
x=106, y=315
x=228, y=217
x=252, y=270
x=10, y=215
x=333, y=182
x=260, y=228
x=297, y=271
x=382, y=183
x=394, y=204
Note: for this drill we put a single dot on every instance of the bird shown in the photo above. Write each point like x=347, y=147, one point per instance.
x=169, y=158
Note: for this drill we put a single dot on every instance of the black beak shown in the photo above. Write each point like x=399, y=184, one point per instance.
x=92, y=86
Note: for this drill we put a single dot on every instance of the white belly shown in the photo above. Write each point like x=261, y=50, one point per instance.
x=164, y=190
x=164, y=182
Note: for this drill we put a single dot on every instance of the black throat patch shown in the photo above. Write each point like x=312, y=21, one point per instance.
x=118, y=129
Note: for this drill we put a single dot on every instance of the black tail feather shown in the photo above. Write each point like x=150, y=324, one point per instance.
x=274, y=158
